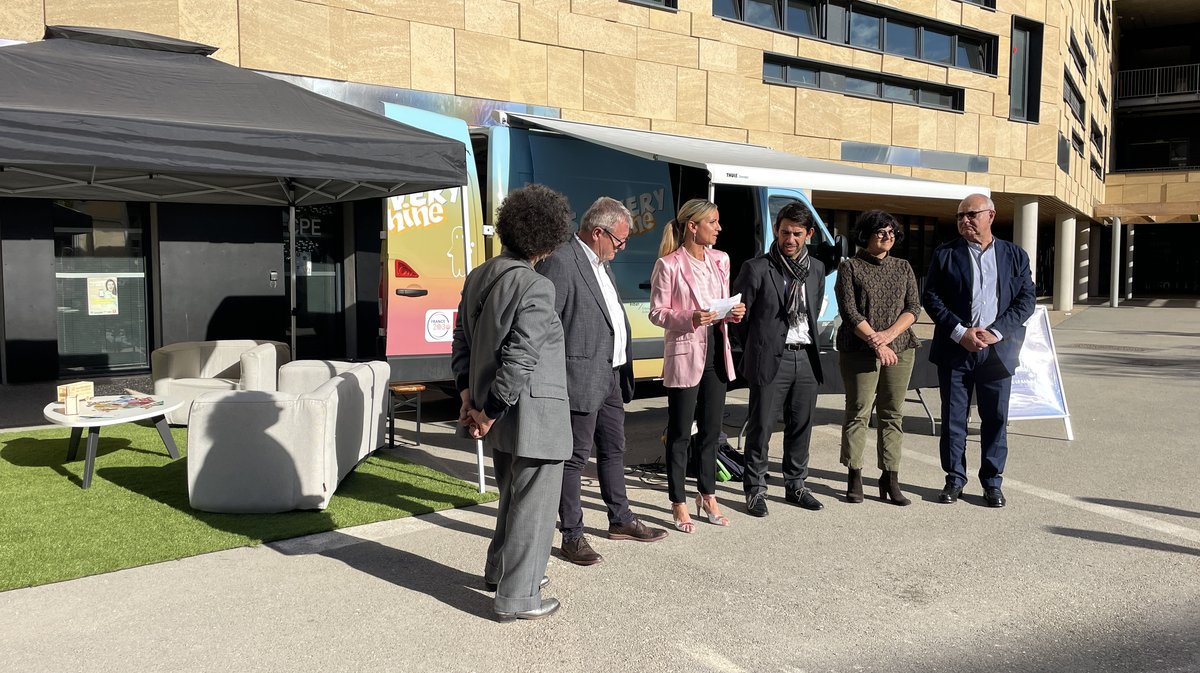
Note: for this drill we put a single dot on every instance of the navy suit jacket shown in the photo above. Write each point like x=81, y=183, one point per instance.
x=947, y=299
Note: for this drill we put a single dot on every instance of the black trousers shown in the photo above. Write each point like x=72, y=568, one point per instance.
x=703, y=403
x=795, y=389
x=605, y=429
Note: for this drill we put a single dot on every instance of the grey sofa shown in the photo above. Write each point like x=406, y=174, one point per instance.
x=189, y=369
x=264, y=451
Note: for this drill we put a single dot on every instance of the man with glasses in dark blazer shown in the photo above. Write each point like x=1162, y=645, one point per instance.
x=599, y=374
x=979, y=292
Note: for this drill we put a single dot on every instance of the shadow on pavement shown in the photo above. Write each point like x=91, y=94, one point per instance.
x=1143, y=506
x=1126, y=540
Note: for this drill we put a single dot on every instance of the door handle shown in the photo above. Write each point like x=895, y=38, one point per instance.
x=411, y=292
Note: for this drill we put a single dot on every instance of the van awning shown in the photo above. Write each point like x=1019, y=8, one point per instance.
x=753, y=165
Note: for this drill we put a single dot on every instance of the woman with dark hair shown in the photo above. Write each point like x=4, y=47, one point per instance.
x=878, y=300
x=697, y=360
x=509, y=364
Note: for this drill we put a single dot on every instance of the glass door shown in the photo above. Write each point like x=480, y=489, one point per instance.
x=320, y=309
x=100, y=286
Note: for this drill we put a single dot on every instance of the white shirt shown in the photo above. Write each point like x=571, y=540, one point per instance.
x=798, y=334
x=616, y=312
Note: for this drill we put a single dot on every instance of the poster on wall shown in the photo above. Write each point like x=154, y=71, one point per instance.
x=1037, y=388
x=102, y=295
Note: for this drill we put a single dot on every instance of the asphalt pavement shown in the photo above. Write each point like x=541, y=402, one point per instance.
x=1094, y=565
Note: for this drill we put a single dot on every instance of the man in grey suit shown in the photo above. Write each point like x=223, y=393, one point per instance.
x=509, y=367
x=599, y=374
x=782, y=290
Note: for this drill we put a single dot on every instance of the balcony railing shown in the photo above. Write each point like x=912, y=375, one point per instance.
x=1174, y=82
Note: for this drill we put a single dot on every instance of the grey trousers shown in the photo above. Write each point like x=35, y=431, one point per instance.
x=520, y=548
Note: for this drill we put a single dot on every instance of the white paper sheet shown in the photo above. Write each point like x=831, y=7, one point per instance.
x=724, y=306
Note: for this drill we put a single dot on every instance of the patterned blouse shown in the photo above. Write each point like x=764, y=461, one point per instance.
x=878, y=291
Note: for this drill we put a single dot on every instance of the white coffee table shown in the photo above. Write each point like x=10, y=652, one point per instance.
x=92, y=419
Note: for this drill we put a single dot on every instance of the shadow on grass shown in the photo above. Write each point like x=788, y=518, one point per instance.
x=52, y=453
x=389, y=498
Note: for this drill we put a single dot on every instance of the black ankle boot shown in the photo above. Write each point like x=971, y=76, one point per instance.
x=854, y=486
x=889, y=488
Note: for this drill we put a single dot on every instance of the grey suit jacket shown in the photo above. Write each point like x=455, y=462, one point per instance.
x=763, y=331
x=508, y=351
x=589, y=329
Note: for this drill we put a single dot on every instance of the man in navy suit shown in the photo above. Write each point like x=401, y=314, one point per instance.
x=979, y=292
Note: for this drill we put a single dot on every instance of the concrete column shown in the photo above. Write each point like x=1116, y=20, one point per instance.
x=1115, y=275
x=1064, y=263
x=1083, y=266
x=1025, y=229
x=1095, y=273
x=1129, y=262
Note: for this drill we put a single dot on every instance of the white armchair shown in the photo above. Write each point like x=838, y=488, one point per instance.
x=256, y=451
x=188, y=369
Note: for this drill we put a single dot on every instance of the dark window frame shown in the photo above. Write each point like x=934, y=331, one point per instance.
x=1097, y=167
x=1031, y=94
x=666, y=5
x=1077, y=142
x=987, y=41
x=1077, y=56
x=1075, y=99
x=1097, y=136
x=828, y=77
x=1064, y=154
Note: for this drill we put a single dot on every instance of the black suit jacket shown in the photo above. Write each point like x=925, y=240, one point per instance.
x=588, y=327
x=763, y=331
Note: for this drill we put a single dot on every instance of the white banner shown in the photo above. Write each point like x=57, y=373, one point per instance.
x=1037, y=390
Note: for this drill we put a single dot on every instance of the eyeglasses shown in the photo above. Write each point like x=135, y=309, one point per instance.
x=884, y=233
x=618, y=243
x=971, y=214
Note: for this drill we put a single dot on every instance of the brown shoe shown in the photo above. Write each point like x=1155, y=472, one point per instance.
x=636, y=530
x=580, y=552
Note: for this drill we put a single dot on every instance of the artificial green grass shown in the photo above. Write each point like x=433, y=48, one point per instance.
x=136, y=511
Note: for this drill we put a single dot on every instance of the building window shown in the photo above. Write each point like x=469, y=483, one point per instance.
x=1064, y=154
x=870, y=26
x=1025, y=73
x=1097, y=136
x=778, y=69
x=990, y=4
x=1073, y=97
x=1077, y=55
x=1097, y=168
x=1087, y=41
x=1077, y=143
x=659, y=4
x=1103, y=96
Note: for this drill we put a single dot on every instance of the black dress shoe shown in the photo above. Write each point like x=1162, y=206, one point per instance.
x=950, y=494
x=756, y=504
x=549, y=606
x=635, y=530
x=579, y=552
x=994, y=497
x=803, y=498
x=492, y=586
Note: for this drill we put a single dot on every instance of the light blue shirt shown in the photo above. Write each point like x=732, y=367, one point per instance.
x=985, y=289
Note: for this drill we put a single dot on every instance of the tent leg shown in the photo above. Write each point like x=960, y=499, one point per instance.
x=292, y=273
x=479, y=462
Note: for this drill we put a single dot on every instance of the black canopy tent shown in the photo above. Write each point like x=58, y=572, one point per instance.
x=92, y=113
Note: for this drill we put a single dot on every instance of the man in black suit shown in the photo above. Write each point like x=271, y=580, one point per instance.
x=782, y=290
x=599, y=374
x=979, y=292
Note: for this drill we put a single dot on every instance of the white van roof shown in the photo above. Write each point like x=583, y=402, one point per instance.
x=754, y=165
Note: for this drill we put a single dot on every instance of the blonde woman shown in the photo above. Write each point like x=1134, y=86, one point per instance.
x=697, y=361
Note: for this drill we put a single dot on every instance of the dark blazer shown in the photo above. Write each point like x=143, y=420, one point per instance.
x=588, y=327
x=947, y=299
x=510, y=355
x=763, y=331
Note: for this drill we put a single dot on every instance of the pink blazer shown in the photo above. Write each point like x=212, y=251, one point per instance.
x=673, y=300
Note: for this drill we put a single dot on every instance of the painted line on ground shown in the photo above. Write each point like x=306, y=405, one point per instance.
x=1109, y=511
